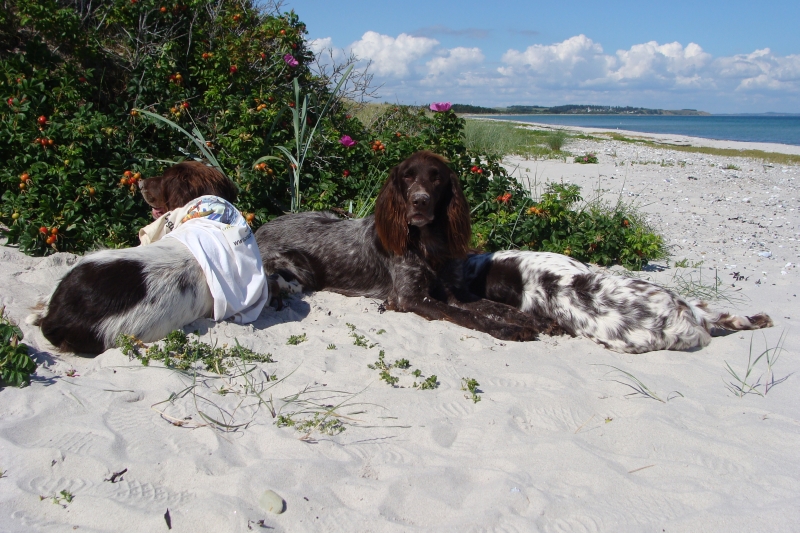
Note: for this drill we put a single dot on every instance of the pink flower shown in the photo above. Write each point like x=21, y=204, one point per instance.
x=440, y=107
x=290, y=60
x=347, y=141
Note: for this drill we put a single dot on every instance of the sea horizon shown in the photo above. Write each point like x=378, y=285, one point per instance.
x=763, y=128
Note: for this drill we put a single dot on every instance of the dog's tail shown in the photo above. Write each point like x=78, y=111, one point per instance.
x=719, y=322
x=39, y=311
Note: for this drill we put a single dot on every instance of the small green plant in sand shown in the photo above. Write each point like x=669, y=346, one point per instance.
x=743, y=383
x=586, y=159
x=471, y=385
x=178, y=351
x=428, y=383
x=385, y=368
x=380, y=332
x=731, y=166
x=318, y=422
x=16, y=366
x=331, y=346
x=294, y=340
x=685, y=263
x=639, y=388
x=3, y=473
x=359, y=340
x=62, y=498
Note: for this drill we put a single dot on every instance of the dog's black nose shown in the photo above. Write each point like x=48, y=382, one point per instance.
x=420, y=199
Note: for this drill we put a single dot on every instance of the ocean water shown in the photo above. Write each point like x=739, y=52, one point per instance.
x=748, y=128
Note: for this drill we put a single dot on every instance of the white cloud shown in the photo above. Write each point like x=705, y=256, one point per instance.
x=576, y=60
x=417, y=69
x=392, y=56
x=761, y=70
x=660, y=64
x=455, y=60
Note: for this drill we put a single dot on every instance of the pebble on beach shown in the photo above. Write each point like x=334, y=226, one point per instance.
x=272, y=502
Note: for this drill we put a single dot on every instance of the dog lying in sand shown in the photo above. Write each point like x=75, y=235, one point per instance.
x=198, y=259
x=623, y=314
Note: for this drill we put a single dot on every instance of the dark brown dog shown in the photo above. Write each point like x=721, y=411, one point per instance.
x=408, y=252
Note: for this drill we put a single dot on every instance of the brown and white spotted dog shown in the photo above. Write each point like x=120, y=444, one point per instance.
x=623, y=314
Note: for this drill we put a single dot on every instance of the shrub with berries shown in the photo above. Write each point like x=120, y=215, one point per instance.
x=73, y=75
x=76, y=145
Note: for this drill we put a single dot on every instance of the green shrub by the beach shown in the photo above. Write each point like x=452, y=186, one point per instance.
x=72, y=75
x=72, y=72
x=16, y=366
x=586, y=159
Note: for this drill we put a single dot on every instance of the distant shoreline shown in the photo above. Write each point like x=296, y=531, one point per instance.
x=672, y=139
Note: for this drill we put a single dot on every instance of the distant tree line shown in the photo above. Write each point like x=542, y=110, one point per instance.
x=569, y=110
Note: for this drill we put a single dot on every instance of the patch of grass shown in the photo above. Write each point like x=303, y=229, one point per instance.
x=747, y=383
x=499, y=138
x=692, y=285
x=770, y=157
x=555, y=140
x=471, y=386
x=179, y=352
x=294, y=340
x=331, y=346
x=639, y=388
x=731, y=166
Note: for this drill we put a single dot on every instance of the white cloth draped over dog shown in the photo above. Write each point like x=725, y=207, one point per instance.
x=222, y=242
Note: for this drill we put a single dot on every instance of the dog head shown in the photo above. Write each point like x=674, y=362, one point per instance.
x=422, y=191
x=182, y=183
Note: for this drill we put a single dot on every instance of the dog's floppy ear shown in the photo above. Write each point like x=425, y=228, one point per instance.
x=459, y=225
x=390, y=215
x=153, y=192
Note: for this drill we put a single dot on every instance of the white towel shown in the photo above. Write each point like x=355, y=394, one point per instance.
x=224, y=245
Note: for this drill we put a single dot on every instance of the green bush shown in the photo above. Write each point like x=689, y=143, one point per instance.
x=72, y=72
x=72, y=75
x=586, y=159
x=16, y=366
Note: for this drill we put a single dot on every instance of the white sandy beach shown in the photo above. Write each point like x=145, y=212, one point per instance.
x=557, y=443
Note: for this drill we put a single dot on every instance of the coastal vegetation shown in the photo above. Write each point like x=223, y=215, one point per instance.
x=99, y=96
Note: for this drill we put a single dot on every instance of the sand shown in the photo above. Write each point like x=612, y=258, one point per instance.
x=558, y=441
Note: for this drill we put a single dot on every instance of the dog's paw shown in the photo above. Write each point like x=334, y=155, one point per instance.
x=517, y=334
x=287, y=287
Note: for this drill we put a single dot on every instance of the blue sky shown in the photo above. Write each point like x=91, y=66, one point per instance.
x=722, y=57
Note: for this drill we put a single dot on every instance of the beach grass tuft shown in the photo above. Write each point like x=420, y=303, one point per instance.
x=745, y=382
x=639, y=388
